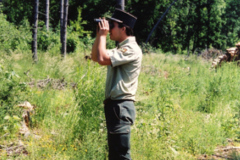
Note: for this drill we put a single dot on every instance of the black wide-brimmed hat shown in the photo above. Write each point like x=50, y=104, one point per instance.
x=121, y=16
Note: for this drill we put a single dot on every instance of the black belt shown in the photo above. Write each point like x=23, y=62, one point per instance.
x=109, y=100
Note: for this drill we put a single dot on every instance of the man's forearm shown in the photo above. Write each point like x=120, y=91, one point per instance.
x=103, y=58
x=101, y=48
x=95, y=50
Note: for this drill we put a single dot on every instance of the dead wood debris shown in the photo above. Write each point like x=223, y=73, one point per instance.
x=233, y=54
x=13, y=149
x=221, y=153
x=5, y=135
x=58, y=84
x=28, y=110
x=16, y=149
x=211, y=53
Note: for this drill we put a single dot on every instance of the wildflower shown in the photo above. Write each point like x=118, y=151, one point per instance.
x=85, y=150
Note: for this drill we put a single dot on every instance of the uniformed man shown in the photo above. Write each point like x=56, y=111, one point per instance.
x=123, y=68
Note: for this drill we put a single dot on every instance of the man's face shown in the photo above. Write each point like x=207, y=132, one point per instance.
x=115, y=32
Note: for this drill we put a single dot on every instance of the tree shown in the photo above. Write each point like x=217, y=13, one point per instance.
x=35, y=25
x=47, y=14
x=64, y=38
x=120, y=4
x=61, y=19
x=190, y=25
x=231, y=26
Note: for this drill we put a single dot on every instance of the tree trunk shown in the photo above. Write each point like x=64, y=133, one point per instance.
x=34, y=30
x=160, y=20
x=120, y=4
x=208, y=24
x=64, y=41
x=47, y=14
x=61, y=19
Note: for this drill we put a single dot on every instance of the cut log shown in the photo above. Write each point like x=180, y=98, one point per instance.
x=233, y=54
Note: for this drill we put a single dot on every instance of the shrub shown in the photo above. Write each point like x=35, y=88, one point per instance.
x=11, y=91
x=47, y=39
x=13, y=37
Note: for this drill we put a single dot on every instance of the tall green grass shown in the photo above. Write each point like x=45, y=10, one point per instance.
x=184, y=108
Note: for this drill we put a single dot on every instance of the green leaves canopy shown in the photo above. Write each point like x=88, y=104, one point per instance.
x=190, y=24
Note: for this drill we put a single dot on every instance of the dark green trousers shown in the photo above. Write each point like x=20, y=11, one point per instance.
x=120, y=115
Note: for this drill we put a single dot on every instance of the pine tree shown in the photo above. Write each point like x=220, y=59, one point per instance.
x=47, y=14
x=61, y=19
x=35, y=25
x=64, y=39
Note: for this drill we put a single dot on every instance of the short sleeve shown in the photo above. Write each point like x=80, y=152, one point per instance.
x=121, y=56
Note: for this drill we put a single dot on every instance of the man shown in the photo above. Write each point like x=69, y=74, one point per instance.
x=123, y=68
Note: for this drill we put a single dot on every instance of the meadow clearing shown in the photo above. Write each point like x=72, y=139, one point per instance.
x=184, y=109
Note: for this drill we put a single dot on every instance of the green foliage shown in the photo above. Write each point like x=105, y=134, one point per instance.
x=89, y=96
x=189, y=25
x=78, y=37
x=11, y=124
x=74, y=42
x=110, y=44
x=183, y=108
x=12, y=37
x=11, y=93
x=47, y=40
x=187, y=88
x=78, y=24
x=18, y=11
x=147, y=48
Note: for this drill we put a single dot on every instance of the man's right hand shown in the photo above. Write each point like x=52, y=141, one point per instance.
x=103, y=27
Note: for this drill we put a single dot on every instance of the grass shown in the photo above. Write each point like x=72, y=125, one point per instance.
x=184, y=109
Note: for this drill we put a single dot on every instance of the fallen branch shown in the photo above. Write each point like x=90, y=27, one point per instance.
x=2, y=146
x=4, y=135
x=15, y=147
x=227, y=148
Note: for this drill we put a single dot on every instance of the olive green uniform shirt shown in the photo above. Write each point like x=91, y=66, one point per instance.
x=122, y=75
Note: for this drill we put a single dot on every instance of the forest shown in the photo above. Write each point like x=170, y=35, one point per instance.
x=189, y=27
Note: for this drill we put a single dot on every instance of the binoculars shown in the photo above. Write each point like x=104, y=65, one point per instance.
x=111, y=25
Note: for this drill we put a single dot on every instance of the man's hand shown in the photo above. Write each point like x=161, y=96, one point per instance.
x=103, y=27
x=99, y=51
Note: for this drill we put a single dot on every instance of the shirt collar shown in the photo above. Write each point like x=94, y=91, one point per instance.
x=128, y=40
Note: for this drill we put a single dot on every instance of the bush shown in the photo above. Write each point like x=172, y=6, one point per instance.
x=147, y=48
x=12, y=37
x=11, y=91
x=47, y=39
x=73, y=42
